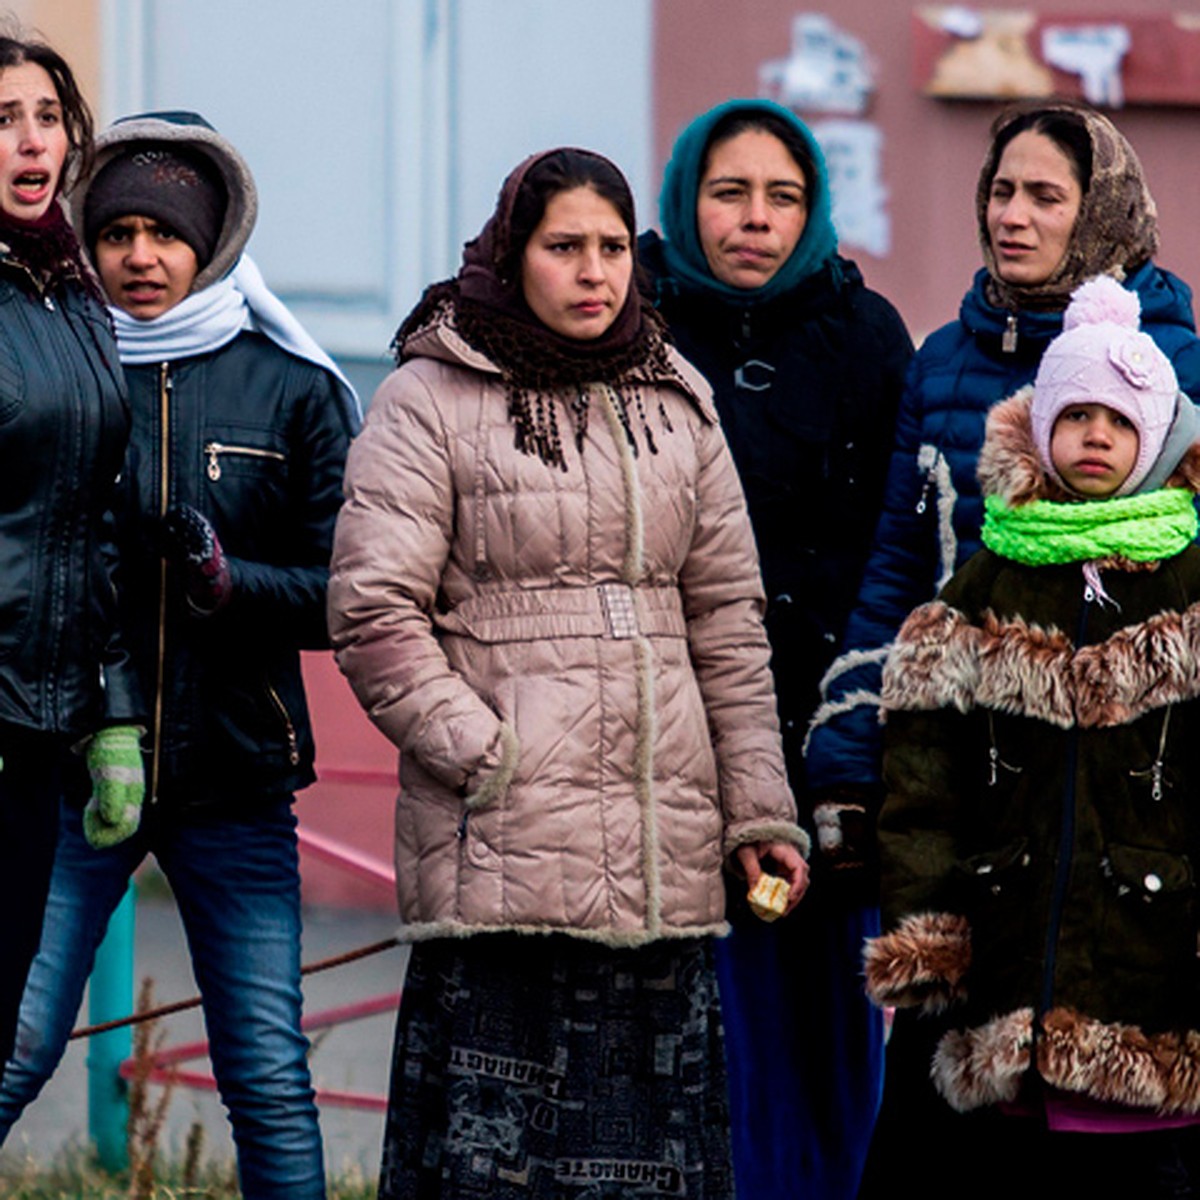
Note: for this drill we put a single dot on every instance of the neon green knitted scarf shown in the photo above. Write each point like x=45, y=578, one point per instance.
x=1142, y=528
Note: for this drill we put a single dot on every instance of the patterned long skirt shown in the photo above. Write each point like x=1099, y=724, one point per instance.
x=548, y=1067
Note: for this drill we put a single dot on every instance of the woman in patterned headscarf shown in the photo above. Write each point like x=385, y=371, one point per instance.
x=1061, y=198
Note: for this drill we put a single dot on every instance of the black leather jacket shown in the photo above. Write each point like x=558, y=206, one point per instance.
x=63, y=428
x=256, y=440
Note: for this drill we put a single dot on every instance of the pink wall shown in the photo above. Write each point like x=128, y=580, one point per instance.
x=709, y=50
x=353, y=800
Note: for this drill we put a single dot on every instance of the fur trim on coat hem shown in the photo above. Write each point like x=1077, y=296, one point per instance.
x=974, y=1067
x=1108, y=1062
x=617, y=939
x=921, y=962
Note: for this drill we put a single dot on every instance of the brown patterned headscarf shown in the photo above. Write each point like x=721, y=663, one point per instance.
x=1116, y=230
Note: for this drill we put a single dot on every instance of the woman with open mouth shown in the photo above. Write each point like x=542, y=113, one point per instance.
x=64, y=422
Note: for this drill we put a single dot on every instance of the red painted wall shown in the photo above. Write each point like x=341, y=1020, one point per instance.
x=710, y=50
x=353, y=800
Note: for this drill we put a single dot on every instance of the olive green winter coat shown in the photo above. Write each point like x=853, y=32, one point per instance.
x=1042, y=823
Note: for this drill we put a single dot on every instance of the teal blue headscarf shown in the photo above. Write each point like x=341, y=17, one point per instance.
x=677, y=211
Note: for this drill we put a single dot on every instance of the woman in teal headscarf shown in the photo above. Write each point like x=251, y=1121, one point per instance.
x=807, y=365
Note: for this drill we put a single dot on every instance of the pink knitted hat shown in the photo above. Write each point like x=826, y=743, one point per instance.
x=1101, y=357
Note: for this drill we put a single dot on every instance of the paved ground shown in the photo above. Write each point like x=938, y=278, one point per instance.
x=353, y=1057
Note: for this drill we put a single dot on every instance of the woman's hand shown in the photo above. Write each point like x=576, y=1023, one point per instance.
x=789, y=864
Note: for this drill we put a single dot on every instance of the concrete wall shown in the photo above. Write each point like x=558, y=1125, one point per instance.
x=72, y=27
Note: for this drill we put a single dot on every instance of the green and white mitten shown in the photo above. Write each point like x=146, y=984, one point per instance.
x=114, y=761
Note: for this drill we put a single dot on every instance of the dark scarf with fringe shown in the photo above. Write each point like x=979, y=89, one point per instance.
x=489, y=312
x=48, y=250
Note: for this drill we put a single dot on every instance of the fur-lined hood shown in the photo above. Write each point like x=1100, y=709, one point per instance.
x=192, y=132
x=1009, y=466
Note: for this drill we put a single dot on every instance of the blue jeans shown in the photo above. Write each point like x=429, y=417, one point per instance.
x=237, y=883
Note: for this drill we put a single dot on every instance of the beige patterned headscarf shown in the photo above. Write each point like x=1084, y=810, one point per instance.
x=1117, y=227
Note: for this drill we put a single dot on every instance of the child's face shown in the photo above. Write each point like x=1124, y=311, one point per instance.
x=1093, y=448
x=145, y=266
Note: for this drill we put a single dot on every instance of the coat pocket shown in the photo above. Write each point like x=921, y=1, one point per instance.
x=996, y=888
x=1148, y=910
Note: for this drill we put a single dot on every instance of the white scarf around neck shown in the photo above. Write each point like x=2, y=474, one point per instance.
x=212, y=318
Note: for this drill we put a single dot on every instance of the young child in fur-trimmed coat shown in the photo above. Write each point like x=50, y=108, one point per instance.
x=1041, y=830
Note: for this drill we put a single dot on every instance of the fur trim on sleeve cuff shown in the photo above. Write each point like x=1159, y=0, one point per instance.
x=496, y=784
x=921, y=962
x=773, y=831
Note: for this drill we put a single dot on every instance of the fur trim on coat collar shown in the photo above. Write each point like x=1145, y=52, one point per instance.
x=1009, y=466
x=941, y=660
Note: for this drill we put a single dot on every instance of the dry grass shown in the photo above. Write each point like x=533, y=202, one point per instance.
x=77, y=1176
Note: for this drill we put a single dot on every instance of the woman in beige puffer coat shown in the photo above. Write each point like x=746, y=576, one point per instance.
x=562, y=635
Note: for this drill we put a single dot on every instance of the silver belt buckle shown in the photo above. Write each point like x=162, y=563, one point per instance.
x=620, y=614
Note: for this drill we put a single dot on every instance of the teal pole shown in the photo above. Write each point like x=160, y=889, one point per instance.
x=111, y=997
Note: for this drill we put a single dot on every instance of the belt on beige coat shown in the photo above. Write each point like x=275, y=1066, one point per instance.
x=603, y=610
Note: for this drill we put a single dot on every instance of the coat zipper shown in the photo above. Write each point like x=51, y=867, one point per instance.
x=931, y=456
x=1155, y=771
x=995, y=762
x=214, y=450
x=165, y=387
x=1066, y=849
x=60, y=573
x=1008, y=342
x=288, y=728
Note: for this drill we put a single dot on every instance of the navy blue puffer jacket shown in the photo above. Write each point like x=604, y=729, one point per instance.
x=932, y=508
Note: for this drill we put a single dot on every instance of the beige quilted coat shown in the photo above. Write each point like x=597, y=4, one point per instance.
x=572, y=663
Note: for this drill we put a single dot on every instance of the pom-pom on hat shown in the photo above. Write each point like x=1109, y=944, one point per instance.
x=1102, y=357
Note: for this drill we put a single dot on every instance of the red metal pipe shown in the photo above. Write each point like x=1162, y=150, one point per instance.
x=357, y=775
x=347, y=857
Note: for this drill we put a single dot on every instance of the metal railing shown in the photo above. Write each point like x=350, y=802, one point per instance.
x=111, y=1015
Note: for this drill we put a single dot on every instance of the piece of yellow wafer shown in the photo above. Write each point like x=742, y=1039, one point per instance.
x=768, y=897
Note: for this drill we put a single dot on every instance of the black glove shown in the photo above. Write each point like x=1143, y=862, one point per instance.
x=191, y=544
